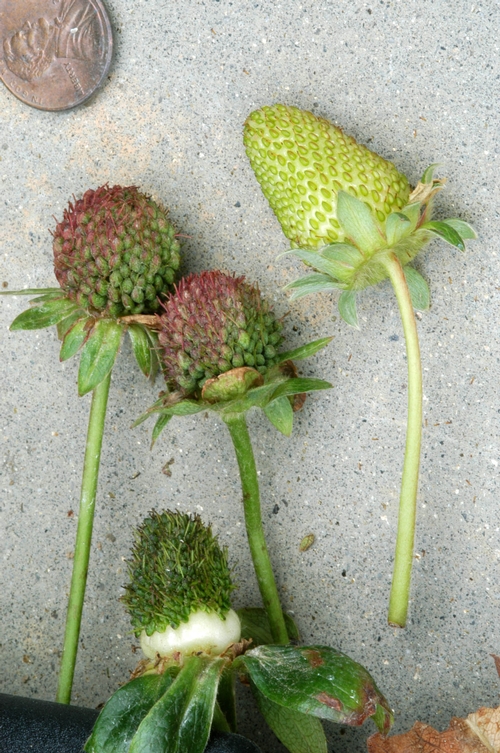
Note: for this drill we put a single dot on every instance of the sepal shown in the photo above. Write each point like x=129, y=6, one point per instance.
x=99, y=354
x=304, y=351
x=34, y=291
x=313, y=283
x=358, y=223
x=280, y=414
x=144, y=349
x=347, y=308
x=446, y=232
x=75, y=337
x=419, y=290
x=49, y=312
x=465, y=231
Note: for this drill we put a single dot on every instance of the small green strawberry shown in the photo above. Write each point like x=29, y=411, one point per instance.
x=354, y=219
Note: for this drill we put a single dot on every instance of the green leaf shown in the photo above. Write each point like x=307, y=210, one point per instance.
x=55, y=295
x=74, y=339
x=280, y=414
x=143, y=349
x=304, y=351
x=347, y=308
x=255, y=626
x=32, y=291
x=118, y=721
x=465, y=231
x=357, y=220
x=182, y=718
x=428, y=175
x=314, y=259
x=301, y=384
x=159, y=426
x=49, y=313
x=345, y=260
x=446, y=232
x=65, y=324
x=397, y=226
x=419, y=290
x=299, y=733
x=99, y=354
x=313, y=283
x=317, y=680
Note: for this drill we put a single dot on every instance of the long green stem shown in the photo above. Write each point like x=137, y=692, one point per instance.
x=253, y=521
x=400, y=589
x=83, y=538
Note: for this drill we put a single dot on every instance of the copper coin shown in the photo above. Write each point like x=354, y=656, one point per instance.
x=54, y=54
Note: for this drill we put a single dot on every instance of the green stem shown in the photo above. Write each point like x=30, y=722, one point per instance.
x=83, y=538
x=400, y=589
x=253, y=520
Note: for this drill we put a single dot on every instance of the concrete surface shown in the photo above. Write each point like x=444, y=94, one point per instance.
x=419, y=83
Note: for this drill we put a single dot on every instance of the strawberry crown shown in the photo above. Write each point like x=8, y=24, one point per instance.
x=177, y=567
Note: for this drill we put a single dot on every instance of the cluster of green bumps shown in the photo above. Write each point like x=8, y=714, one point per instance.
x=115, y=252
x=177, y=567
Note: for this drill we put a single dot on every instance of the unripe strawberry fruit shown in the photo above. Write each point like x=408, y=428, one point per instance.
x=214, y=323
x=115, y=252
x=302, y=161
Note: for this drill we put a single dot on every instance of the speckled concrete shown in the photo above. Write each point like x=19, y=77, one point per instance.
x=419, y=83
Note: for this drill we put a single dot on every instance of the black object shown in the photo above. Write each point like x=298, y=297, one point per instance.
x=227, y=742
x=27, y=724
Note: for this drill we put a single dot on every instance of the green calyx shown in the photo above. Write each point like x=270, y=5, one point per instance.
x=346, y=208
x=279, y=393
x=177, y=567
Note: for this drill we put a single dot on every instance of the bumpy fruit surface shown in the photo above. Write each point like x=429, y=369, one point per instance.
x=302, y=161
x=177, y=568
x=214, y=323
x=115, y=252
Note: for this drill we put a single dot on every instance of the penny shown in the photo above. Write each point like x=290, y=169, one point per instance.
x=54, y=54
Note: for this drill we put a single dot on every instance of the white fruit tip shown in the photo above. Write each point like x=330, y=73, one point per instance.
x=203, y=631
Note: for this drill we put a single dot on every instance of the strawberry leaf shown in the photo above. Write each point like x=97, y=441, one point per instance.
x=412, y=213
x=299, y=733
x=446, y=232
x=99, y=354
x=74, y=339
x=118, y=721
x=304, y=351
x=419, y=290
x=357, y=220
x=48, y=313
x=317, y=680
x=280, y=414
x=313, y=283
x=182, y=718
x=347, y=308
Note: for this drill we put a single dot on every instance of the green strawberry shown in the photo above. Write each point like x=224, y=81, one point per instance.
x=353, y=218
x=342, y=205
